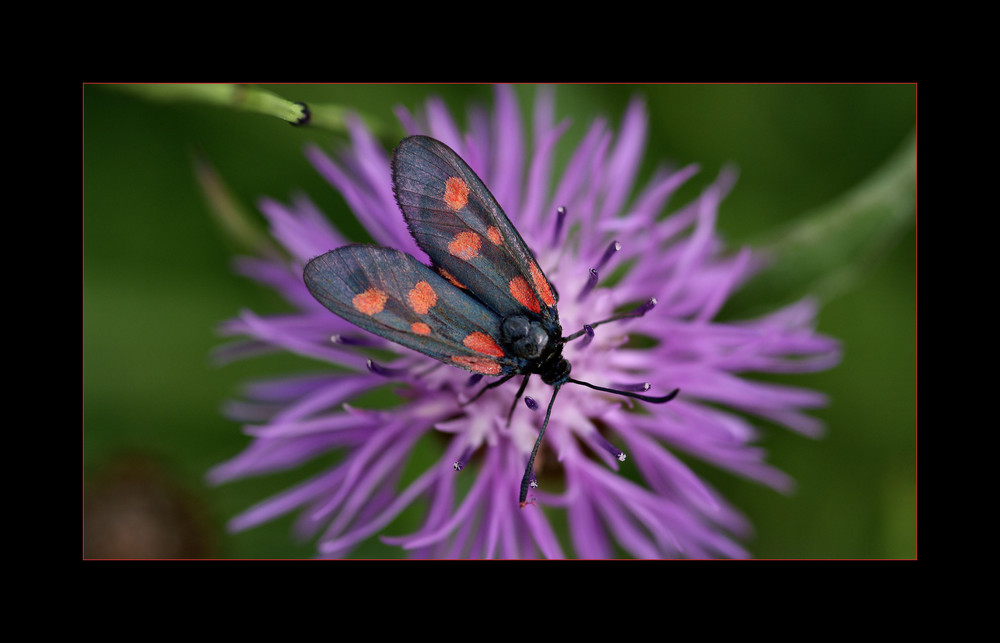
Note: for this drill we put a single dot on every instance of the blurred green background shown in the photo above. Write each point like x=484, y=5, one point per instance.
x=157, y=281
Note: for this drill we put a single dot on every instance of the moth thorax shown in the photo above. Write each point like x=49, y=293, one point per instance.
x=554, y=369
x=527, y=339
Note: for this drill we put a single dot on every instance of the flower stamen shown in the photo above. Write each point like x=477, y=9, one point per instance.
x=351, y=340
x=386, y=371
x=638, y=312
x=636, y=388
x=587, y=287
x=463, y=459
x=610, y=448
x=645, y=308
x=560, y=219
x=610, y=252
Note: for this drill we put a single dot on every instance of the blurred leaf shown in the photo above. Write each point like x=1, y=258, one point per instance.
x=237, y=223
x=827, y=252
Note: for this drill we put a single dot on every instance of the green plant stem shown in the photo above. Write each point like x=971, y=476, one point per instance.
x=253, y=99
x=828, y=251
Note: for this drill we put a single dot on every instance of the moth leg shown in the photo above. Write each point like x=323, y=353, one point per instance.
x=502, y=380
x=520, y=392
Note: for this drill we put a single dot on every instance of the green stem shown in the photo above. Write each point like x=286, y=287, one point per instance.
x=252, y=99
x=826, y=252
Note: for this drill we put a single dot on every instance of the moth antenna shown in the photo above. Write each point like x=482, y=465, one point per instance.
x=645, y=398
x=637, y=312
x=529, y=471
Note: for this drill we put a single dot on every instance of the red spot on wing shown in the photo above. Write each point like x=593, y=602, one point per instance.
x=370, y=301
x=450, y=277
x=542, y=285
x=466, y=245
x=456, y=193
x=494, y=234
x=521, y=291
x=483, y=365
x=422, y=298
x=483, y=343
x=420, y=328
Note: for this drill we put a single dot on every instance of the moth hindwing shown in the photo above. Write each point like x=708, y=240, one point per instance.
x=391, y=294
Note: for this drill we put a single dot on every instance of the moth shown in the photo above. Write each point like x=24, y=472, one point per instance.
x=483, y=305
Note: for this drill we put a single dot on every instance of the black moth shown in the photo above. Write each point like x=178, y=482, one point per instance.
x=484, y=305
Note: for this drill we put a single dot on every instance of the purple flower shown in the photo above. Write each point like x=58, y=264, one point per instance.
x=597, y=446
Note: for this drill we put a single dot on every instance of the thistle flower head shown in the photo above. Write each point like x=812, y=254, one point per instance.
x=608, y=245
